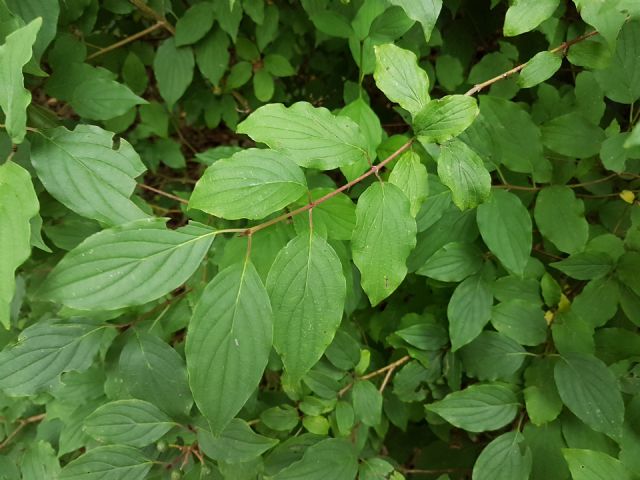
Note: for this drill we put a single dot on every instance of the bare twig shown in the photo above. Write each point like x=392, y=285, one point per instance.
x=150, y=12
x=21, y=424
x=129, y=39
x=386, y=369
x=163, y=193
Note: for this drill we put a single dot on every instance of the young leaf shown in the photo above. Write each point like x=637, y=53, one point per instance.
x=14, y=98
x=539, y=69
x=560, y=218
x=400, y=78
x=173, y=68
x=592, y=465
x=44, y=351
x=469, y=310
x=311, y=137
x=82, y=169
x=236, y=444
x=462, y=170
x=506, y=457
x=426, y=13
x=478, y=408
x=505, y=226
x=307, y=290
x=525, y=15
x=228, y=343
x=111, y=462
x=130, y=264
x=251, y=184
x=410, y=176
x=384, y=235
x=447, y=117
x=153, y=371
x=331, y=458
x=128, y=422
x=18, y=204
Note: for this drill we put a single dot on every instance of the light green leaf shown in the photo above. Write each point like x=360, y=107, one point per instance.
x=130, y=264
x=590, y=390
x=592, y=465
x=82, y=170
x=194, y=24
x=525, y=15
x=236, y=444
x=44, y=351
x=540, y=394
x=447, y=117
x=478, y=408
x=369, y=124
x=453, y=262
x=111, y=462
x=606, y=17
x=521, y=320
x=425, y=12
x=307, y=290
x=367, y=403
x=492, y=356
x=469, y=310
x=410, y=176
x=40, y=462
x=400, y=78
x=560, y=218
x=586, y=265
x=507, y=457
x=251, y=184
x=18, y=204
x=14, y=98
x=282, y=418
x=505, y=226
x=29, y=10
x=462, y=170
x=334, y=218
x=331, y=458
x=312, y=137
x=103, y=99
x=573, y=135
x=153, y=371
x=619, y=80
x=128, y=422
x=212, y=55
x=539, y=69
x=384, y=235
x=173, y=68
x=263, y=85
x=228, y=343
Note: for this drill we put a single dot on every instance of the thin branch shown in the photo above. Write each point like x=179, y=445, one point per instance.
x=389, y=368
x=150, y=12
x=561, y=48
x=163, y=193
x=129, y=39
x=21, y=424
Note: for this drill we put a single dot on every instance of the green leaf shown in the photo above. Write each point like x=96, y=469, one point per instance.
x=540, y=394
x=369, y=124
x=44, y=351
x=130, y=264
x=194, y=24
x=400, y=78
x=367, y=403
x=447, y=117
x=384, y=235
x=103, y=99
x=228, y=343
x=18, y=204
x=311, y=137
x=173, y=68
x=462, y=170
x=478, y=408
x=331, y=458
x=263, y=85
x=29, y=10
x=492, y=356
x=212, y=55
x=153, y=371
x=410, y=176
x=111, y=462
x=236, y=444
x=40, y=462
x=539, y=69
x=251, y=184
x=278, y=66
x=280, y=418
x=520, y=320
x=590, y=390
x=505, y=226
x=424, y=12
x=307, y=290
x=14, y=98
x=525, y=15
x=585, y=265
x=128, y=422
x=469, y=310
x=573, y=135
x=592, y=465
x=507, y=457
x=453, y=263
x=560, y=218
x=82, y=170
x=334, y=218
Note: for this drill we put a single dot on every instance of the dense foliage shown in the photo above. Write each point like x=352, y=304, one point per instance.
x=318, y=240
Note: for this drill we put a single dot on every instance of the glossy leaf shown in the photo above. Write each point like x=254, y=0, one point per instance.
x=539, y=69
